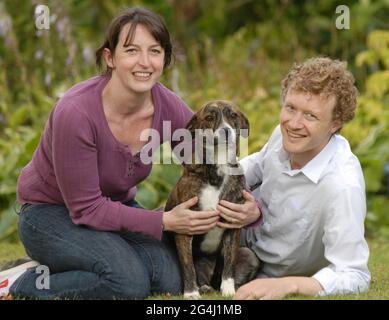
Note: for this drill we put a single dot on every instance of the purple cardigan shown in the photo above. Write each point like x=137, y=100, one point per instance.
x=81, y=165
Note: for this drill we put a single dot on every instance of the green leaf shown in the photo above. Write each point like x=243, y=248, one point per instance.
x=147, y=196
x=19, y=117
x=8, y=219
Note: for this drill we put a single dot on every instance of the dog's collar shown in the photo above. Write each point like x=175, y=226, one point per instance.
x=232, y=165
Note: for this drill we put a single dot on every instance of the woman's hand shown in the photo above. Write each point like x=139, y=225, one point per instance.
x=185, y=221
x=238, y=215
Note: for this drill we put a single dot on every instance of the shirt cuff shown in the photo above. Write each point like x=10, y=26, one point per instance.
x=327, y=279
x=259, y=221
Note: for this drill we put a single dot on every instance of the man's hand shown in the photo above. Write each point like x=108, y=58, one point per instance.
x=277, y=288
x=238, y=215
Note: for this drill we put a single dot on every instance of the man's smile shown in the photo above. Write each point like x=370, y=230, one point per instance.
x=294, y=135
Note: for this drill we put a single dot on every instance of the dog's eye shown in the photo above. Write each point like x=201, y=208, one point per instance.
x=209, y=118
x=233, y=115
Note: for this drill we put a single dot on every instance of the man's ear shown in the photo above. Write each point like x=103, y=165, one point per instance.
x=336, y=126
x=108, y=57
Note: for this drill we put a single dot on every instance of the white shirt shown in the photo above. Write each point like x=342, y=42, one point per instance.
x=313, y=217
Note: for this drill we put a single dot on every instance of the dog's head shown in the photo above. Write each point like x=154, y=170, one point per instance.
x=223, y=120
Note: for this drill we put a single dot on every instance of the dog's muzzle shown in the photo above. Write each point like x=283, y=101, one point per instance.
x=224, y=135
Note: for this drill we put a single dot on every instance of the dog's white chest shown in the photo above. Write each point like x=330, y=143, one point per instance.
x=209, y=198
x=212, y=240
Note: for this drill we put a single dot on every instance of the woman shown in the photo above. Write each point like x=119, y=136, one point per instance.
x=79, y=217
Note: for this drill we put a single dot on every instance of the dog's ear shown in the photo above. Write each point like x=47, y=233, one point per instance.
x=244, y=124
x=191, y=125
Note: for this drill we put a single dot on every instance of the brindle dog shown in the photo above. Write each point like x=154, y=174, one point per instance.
x=208, y=260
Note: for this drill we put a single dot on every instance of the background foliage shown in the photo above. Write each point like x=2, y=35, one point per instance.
x=237, y=50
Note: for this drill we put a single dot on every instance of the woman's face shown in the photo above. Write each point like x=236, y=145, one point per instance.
x=140, y=65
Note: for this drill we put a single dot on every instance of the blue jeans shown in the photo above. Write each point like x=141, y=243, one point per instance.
x=90, y=264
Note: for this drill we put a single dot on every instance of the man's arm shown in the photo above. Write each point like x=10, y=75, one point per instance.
x=346, y=251
x=252, y=168
x=345, y=247
x=253, y=165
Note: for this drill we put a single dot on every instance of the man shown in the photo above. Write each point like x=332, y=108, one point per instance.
x=312, y=190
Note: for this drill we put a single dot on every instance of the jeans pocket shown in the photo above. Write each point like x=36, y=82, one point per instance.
x=24, y=207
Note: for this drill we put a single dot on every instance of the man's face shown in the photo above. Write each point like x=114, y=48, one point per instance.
x=306, y=125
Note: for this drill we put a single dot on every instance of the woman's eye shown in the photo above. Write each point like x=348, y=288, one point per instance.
x=156, y=51
x=209, y=118
x=131, y=50
x=234, y=115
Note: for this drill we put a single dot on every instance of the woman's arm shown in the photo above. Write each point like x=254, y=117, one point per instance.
x=75, y=163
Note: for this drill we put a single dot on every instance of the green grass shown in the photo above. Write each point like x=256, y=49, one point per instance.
x=10, y=251
x=378, y=266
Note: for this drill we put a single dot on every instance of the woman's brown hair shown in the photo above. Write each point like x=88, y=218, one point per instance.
x=147, y=18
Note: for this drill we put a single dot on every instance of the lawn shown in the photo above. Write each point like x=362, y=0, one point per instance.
x=378, y=265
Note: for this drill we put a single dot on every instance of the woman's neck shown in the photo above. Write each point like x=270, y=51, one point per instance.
x=120, y=101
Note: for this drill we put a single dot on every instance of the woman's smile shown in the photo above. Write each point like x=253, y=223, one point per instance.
x=142, y=75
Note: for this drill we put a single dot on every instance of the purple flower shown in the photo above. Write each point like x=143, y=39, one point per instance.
x=5, y=25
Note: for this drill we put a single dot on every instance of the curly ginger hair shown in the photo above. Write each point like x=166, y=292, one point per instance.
x=325, y=77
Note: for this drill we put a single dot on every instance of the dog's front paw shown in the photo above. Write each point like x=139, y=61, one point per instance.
x=206, y=289
x=227, y=287
x=193, y=295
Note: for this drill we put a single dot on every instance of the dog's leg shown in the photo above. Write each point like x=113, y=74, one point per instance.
x=229, y=251
x=246, y=266
x=184, y=250
x=205, y=267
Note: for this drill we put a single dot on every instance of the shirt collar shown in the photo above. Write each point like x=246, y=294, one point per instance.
x=314, y=169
